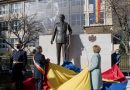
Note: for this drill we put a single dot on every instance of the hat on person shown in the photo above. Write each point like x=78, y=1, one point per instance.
x=18, y=43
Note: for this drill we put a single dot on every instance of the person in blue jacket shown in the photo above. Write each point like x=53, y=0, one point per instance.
x=95, y=69
x=116, y=57
x=18, y=62
x=39, y=58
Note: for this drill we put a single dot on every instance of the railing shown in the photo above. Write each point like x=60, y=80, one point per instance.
x=5, y=63
x=125, y=64
x=5, y=75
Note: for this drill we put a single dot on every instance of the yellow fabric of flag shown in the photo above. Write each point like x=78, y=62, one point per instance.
x=61, y=78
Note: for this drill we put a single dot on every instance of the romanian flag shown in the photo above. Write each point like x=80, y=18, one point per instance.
x=60, y=78
x=96, y=15
x=97, y=10
x=113, y=78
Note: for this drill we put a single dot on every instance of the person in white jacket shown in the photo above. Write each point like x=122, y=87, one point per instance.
x=95, y=69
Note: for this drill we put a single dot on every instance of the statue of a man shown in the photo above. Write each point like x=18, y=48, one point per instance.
x=62, y=39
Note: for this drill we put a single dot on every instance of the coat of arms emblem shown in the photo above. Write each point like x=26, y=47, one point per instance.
x=92, y=38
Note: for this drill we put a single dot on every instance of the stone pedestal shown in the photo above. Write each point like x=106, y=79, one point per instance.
x=80, y=50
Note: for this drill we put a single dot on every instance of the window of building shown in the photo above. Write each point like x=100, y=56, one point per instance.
x=77, y=19
x=16, y=7
x=1, y=41
x=15, y=25
x=77, y=2
x=0, y=45
x=92, y=18
x=91, y=1
x=82, y=2
x=83, y=19
x=12, y=41
x=3, y=44
x=45, y=1
x=63, y=3
x=3, y=9
x=101, y=17
x=31, y=44
x=3, y=26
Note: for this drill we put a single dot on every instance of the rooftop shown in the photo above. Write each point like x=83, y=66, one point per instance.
x=10, y=1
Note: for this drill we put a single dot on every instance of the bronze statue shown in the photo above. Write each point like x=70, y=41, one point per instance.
x=62, y=38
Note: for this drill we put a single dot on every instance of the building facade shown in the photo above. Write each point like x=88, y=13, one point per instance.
x=8, y=9
x=97, y=13
x=48, y=10
x=98, y=16
x=78, y=13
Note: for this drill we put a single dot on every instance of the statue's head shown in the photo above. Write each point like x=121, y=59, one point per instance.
x=62, y=17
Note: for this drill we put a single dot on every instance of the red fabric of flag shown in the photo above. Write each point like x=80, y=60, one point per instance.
x=29, y=83
x=114, y=74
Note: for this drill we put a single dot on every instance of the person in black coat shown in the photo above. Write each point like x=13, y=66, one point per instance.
x=116, y=57
x=39, y=58
x=18, y=62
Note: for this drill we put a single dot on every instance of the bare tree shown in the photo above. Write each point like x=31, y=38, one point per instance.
x=27, y=30
x=120, y=15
